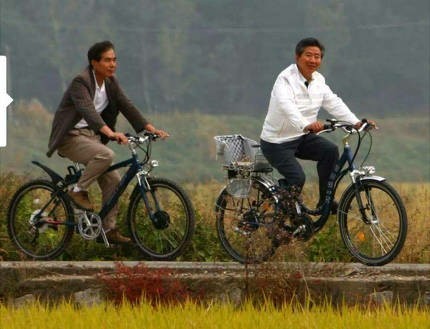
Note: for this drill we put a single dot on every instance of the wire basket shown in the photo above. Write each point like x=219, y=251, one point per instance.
x=239, y=187
x=235, y=149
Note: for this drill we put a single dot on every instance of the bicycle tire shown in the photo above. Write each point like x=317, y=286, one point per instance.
x=379, y=242
x=246, y=226
x=167, y=238
x=48, y=240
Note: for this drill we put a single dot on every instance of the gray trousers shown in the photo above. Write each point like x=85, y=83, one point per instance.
x=84, y=146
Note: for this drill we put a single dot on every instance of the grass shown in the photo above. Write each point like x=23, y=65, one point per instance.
x=191, y=315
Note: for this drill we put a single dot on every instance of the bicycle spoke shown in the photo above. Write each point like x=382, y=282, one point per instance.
x=378, y=237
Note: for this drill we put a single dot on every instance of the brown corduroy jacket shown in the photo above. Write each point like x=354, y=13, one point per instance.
x=77, y=103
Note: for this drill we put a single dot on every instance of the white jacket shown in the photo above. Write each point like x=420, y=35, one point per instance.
x=293, y=105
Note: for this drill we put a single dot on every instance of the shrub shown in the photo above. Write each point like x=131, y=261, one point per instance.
x=137, y=283
x=327, y=245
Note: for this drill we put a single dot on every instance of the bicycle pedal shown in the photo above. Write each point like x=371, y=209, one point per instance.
x=303, y=232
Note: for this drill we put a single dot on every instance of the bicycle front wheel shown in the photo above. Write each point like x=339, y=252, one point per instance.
x=163, y=229
x=246, y=226
x=374, y=234
x=40, y=221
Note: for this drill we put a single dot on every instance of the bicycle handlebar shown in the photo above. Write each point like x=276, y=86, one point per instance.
x=141, y=139
x=346, y=126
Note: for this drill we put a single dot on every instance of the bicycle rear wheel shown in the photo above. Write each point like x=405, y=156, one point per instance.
x=246, y=226
x=377, y=238
x=40, y=221
x=168, y=233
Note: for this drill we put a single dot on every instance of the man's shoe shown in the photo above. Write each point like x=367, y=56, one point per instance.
x=115, y=236
x=81, y=200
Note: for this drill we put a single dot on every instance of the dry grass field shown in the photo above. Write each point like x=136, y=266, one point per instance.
x=325, y=246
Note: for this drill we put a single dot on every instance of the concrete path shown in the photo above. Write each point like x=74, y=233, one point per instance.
x=350, y=283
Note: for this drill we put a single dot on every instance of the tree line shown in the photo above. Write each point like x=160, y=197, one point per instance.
x=221, y=56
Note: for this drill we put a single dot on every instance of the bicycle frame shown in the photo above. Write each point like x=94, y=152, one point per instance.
x=135, y=170
x=335, y=177
x=135, y=167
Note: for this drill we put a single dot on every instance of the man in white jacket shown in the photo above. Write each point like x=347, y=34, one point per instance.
x=291, y=123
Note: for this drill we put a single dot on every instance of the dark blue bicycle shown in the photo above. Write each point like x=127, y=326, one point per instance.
x=255, y=214
x=160, y=216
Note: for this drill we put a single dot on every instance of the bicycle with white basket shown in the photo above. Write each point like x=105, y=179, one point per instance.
x=254, y=214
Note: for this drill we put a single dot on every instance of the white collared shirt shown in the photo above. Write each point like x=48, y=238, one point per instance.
x=293, y=106
x=100, y=101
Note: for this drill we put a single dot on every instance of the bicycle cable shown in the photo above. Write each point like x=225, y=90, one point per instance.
x=357, y=148
x=367, y=133
x=146, y=150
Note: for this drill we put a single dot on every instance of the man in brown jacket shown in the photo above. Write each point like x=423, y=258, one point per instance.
x=85, y=121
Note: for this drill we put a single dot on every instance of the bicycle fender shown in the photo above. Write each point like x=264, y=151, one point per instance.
x=362, y=179
x=56, y=178
x=377, y=178
x=265, y=181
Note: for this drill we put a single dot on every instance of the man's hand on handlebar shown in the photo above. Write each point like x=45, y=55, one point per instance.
x=314, y=127
x=370, y=123
x=119, y=137
x=113, y=135
x=161, y=133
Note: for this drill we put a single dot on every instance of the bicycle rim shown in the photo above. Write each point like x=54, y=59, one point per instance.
x=167, y=237
x=44, y=236
x=381, y=238
x=246, y=226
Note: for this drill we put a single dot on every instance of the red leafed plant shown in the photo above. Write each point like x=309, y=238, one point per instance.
x=158, y=286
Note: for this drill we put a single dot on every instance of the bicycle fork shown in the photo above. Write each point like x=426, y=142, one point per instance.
x=159, y=218
x=365, y=205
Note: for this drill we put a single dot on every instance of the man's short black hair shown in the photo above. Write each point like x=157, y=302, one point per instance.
x=309, y=42
x=96, y=50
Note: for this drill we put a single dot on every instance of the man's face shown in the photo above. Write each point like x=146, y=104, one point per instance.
x=309, y=61
x=106, y=66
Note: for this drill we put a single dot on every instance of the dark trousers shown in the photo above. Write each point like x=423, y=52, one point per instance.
x=284, y=156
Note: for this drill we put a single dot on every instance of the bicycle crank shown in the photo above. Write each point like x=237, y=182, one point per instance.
x=89, y=225
x=304, y=229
